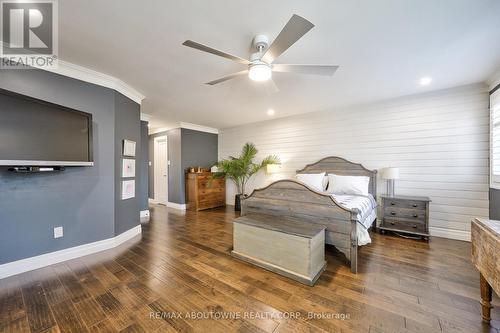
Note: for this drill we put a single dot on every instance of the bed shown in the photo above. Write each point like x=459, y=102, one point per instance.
x=346, y=223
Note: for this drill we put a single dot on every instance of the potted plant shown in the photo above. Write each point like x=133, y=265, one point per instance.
x=240, y=169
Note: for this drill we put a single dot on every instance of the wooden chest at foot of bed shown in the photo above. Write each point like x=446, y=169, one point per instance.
x=286, y=246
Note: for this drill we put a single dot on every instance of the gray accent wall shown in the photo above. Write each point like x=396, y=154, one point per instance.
x=197, y=149
x=185, y=148
x=494, y=204
x=127, y=126
x=175, y=174
x=81, y=199
x=143, y=168
x=174, y=169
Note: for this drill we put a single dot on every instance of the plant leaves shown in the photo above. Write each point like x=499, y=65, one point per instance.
x=240, y=169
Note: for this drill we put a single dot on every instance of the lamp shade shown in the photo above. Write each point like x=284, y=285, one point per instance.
x=273, y=168
x=390, y=173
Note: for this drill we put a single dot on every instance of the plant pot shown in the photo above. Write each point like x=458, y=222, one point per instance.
x=237, y=202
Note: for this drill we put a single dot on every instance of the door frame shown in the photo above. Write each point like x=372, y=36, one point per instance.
x=157, y=174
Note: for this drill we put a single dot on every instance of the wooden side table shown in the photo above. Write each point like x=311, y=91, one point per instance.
x=485, y=238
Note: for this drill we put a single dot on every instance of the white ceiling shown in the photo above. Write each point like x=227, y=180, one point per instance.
x=383, y=47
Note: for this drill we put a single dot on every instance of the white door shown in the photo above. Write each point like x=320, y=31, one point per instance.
x=161, y=170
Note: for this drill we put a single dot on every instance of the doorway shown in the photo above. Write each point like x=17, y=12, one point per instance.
x=161, y=170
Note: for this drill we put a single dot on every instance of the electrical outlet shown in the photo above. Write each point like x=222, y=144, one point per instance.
x=58, y=232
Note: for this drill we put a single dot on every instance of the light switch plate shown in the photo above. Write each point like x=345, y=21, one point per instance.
x=58, y=232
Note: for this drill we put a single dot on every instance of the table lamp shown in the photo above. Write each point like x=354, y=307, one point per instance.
x=390, y=174
x=273, y=168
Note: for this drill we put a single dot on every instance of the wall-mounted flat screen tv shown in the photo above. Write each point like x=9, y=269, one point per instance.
x=36, y=133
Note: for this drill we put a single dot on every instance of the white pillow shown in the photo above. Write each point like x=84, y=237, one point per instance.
x=315, y=181
x=348, y=184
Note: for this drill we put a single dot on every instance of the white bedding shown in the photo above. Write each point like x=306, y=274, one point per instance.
x=366, y=206
x=362, y=233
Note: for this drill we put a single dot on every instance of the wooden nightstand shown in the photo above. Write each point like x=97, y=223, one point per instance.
x=404, y=214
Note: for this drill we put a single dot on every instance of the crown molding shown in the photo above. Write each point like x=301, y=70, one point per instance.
x=494, y=80
x=190, y=126
x=85, y=74
x=91, y=76
x=199, y=128
x=146, y=117
x=160, y=130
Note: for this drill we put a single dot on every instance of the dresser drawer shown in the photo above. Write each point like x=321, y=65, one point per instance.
x=404, y=225
x=208, y=182
x=409, y=204
x=211, y=203
x=211, y=197
x=209, y=190
x=412, y=214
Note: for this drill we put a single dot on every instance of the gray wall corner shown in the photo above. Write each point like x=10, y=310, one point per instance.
x=494, y=204
x=185, y=148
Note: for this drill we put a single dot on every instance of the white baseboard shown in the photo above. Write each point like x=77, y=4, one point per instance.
x=450, y=233
x=29, y=264
x=144, y=216
x=177, y=206
x=169, y=204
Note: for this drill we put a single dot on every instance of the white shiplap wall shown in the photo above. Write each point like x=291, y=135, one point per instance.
x=438, y=140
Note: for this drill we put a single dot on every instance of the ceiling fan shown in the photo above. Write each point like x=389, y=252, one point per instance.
x=261, y=63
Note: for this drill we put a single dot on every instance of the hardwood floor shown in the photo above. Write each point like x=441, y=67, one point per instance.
x=180, y=277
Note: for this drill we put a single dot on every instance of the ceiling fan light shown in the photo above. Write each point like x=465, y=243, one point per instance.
x=259, y=72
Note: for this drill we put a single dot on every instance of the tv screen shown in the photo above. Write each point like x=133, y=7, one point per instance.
x=34, y=132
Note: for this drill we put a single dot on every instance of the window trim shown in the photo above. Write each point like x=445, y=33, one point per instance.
x=494, y=180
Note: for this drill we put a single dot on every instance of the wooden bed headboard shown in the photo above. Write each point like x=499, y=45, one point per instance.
x=343, y=167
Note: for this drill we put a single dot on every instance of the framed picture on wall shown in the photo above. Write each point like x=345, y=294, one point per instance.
x=128, y=189
x=129, y=148
x=128, y=168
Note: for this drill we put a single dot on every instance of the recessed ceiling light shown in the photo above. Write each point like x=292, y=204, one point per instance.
x=425, y=81
x=270, y=112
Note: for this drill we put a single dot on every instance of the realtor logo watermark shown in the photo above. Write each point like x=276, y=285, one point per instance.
x=29, y=34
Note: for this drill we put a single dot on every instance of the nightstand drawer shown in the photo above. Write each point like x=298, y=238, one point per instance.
x=405, y=225
x=412, y=214
x=410, y=204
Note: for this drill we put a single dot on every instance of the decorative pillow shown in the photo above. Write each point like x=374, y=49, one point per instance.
x=348, y=184
x=313, y=180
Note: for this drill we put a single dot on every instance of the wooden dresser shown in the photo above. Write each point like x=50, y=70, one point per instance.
x=405, y=214
x=203, y=192
x=485, y=238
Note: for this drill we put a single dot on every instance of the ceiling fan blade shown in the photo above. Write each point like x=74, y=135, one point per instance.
x=273, y=87
x=295, y=28
x=326, y=70
x=228, y=77
x=209, y=49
